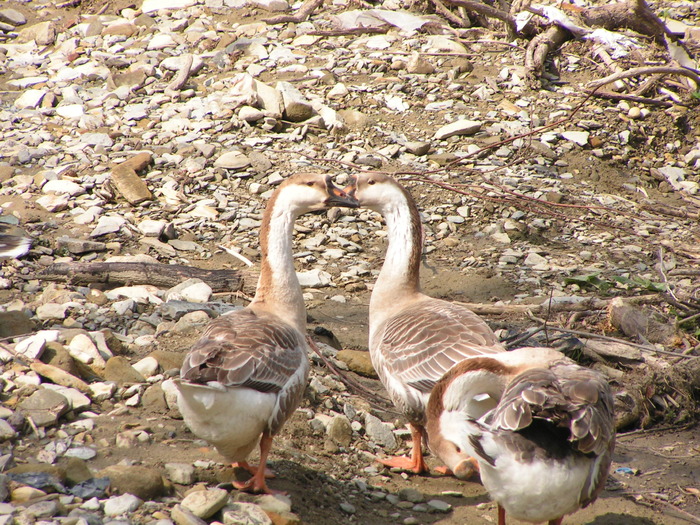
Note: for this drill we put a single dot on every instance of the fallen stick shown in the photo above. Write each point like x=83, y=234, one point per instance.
x=180, y=79
x=301, y=15
x=130, y=273
x=646, y=70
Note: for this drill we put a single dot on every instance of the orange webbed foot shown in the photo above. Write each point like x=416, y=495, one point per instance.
x=256, y=485
x=415, y=465
x=253, y=469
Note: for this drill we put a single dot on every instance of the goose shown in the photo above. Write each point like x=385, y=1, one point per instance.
x=545, y=449
x=14, y=243
x=414, y=339
x=247, y=372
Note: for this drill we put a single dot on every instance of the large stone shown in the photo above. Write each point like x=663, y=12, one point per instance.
x=45, y=407
x=296, y=107
x=460, y=127
x=205, y=503
x=119, y=370
x=244, y=514
x=145, y=483
x=358, y=361
x=130, y=185
x=339, y=430
x=380, y=433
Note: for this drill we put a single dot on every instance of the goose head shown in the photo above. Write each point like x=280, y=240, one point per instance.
x=376, y=191
x=306, y=192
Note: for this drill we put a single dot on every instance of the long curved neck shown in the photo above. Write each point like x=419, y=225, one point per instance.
x=399, y=277
x=278, y=290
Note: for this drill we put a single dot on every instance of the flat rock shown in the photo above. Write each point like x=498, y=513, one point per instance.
x=119, y=370
x=45, y=407
x=380, y=433
x=12, y=16
x=149, y=6
x=358, y=361
x=205, y=503
x=124, y=504
x=80, y=246
x=296, y=107
x=130, y=185
x=244, y=514
x=145, y=483
x=233, y=160
x=460, y=127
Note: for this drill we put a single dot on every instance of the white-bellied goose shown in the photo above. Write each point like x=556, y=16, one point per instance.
x=246, y=374
x=413, y=338
x=545, y=449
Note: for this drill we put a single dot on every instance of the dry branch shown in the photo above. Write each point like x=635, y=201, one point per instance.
x=301, y=15
x=131, y=273
x=647, y=70
x=486, y=10
x=540, y=47
x=633, y=14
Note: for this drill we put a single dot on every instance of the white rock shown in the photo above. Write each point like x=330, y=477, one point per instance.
x=181, y=473
x=534, y=259
x=33, y=346
x=314, y=278
x=70, y=111
x=151, y=228
x=161, y=41
x=296, y=106
x=30, y=99
x=124, y=504
x=51, y=311
x=245, y=514
x=141, y=293
x=205, y=503
x=108, y=224
x=250, y=114
x=63, y=186
x=53, y=203
x=84, y=350
x=147, y=367
x=97, y=139
x=269, y=99
x=460, y=127
x=338, y=91
x=78, y=401
x=439, y=43
x=197, y=293
x=234, y=160
x=272, y=5
x=102, y=391
x=577, y=137
x=149, y=6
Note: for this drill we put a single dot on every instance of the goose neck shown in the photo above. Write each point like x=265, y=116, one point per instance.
x=278, y=289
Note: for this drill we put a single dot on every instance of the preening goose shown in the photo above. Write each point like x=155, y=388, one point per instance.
x=413, y=338
x=246, y=374
x=545, y=449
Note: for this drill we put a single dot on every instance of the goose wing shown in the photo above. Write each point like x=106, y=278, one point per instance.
x=257, y=351
x=576, y=403
x=422, y=342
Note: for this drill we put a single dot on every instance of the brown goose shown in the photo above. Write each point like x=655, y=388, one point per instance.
x=413, y=338
x=545, y=449
x=247, y=373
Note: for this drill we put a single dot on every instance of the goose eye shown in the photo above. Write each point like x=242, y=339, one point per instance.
x=310, y=183
x=371, y=182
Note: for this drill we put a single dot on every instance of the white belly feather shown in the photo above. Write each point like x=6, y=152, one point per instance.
x=231, y=419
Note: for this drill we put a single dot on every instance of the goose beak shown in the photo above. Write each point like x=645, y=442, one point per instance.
x=466, y=469
x=338, y=197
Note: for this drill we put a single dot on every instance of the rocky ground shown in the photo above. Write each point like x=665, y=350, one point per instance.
x=154, y=132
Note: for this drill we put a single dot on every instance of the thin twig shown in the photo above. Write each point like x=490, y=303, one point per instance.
x=643, y=348
x=646, y=70
x=301, y=15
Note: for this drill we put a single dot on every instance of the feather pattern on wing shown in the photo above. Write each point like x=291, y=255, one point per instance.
x=254, y=350
x=550, y=414
x=418, y=345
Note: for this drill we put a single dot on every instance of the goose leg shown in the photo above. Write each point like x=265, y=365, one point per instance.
x=257, y=483
x=501, y=516
x=252, y=469
x=415, y=463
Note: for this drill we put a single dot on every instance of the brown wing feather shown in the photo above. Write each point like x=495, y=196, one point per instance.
x=569, y=396
x=421, y=343
x=245, y=349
